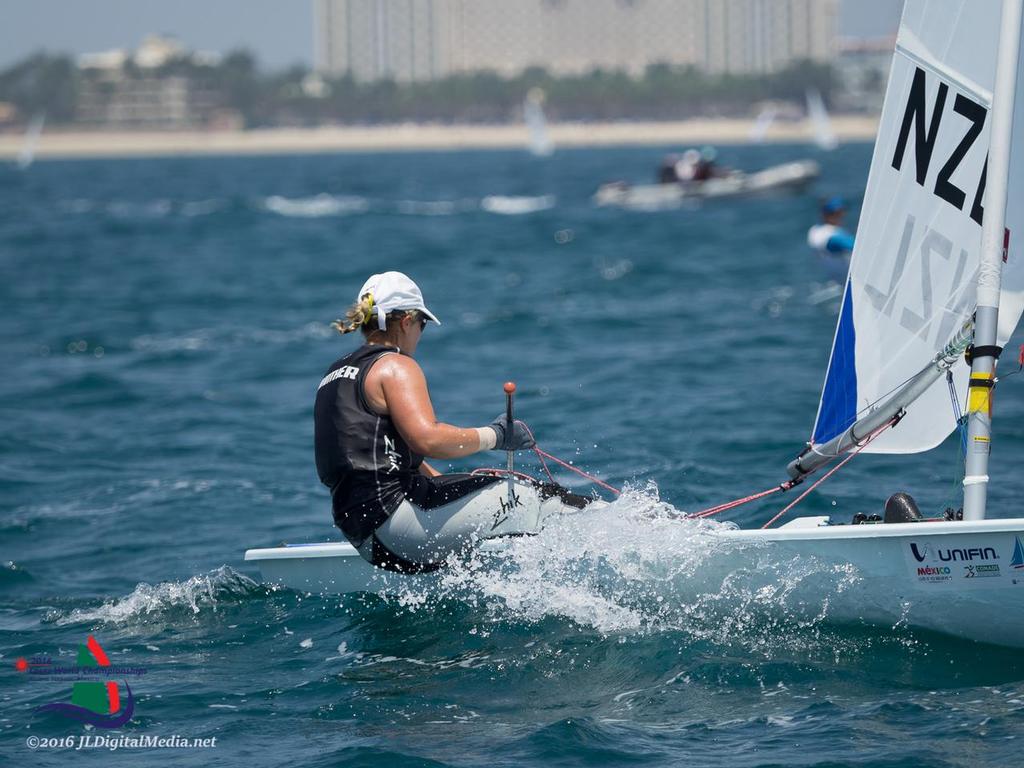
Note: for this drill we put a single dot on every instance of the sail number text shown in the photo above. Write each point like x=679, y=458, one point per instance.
x=915, y=116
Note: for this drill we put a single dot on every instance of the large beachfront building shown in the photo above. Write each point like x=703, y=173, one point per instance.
x=409, y=40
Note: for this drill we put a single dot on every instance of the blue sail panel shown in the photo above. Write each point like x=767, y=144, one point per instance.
x=838, y=408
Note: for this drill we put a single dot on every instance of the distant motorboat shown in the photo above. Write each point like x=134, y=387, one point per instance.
x=788, y=177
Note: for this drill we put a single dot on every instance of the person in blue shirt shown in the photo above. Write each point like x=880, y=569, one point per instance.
x=831, y=241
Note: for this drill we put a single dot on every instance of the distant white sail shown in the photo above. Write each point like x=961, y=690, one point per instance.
x=533, y=112
x=822, y=126
x=913, y=271
x=28, y=147
x=764, y=120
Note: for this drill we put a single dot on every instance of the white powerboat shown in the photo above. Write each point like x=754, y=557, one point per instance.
x=788, y=177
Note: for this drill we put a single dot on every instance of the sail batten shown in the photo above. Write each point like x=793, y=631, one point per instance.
x=913, y=273
x=965, y=84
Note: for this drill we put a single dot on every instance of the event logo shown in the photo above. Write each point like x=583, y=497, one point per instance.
x=1017, y=562
x=96, y=702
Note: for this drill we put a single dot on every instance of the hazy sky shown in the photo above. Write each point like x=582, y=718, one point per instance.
x=279, y=31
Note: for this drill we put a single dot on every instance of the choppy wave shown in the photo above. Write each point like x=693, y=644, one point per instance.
x=434, y=207
x=516, y=205
x=325, y=205
x=206, y=592
x=194, y=208
x=204, y=339
x=317, y=206
x=11, y=573
x=142, y=209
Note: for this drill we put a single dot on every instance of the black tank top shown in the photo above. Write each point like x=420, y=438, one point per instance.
x=359, y=454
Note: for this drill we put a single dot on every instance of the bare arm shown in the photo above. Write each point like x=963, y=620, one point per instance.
x=396, y=386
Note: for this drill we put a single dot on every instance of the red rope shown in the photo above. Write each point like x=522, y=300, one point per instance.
x=831, y=472
x=545, y=465
x=544, y=455
x=731, y=504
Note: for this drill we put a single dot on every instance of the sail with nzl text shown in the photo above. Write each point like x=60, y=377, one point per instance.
x=912, y=276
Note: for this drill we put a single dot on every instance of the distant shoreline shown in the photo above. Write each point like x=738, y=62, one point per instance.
x=416, y=137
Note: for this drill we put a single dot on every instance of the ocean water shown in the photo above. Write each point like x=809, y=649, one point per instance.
x=165, y=323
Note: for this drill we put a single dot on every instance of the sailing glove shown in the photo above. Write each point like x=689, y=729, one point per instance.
x=516, y=439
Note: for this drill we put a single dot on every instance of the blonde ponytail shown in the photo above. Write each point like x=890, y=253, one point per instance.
x=357, y=316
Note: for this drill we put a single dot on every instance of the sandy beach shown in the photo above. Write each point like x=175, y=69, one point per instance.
x=407, y=137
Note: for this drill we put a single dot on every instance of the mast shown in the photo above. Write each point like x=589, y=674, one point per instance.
x=979, y=400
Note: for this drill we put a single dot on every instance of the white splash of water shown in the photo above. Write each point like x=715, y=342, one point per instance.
x=638, y=565
x=196, y=594
x=516, y=205
x=317, y=206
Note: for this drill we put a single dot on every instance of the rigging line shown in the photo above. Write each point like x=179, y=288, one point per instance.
x=737, y=502
x=545, y=455
x=957, y=412
x=831, y=472
x=544, y=464
x=961, y=425
x=591, y=478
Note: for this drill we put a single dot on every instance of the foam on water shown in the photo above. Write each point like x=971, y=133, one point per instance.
x=516, y=205
x=197, y=594
x=639, y=566
x=316, y=206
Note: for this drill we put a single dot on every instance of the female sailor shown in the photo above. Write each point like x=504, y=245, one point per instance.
x=374, y=424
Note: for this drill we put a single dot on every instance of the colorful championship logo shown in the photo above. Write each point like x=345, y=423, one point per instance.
x=96, y=702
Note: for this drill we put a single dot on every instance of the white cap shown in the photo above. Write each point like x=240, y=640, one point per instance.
x=391, y=291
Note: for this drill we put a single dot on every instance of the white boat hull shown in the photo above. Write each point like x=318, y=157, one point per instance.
x=789, y=177
x=335, y=568
x=956, y=578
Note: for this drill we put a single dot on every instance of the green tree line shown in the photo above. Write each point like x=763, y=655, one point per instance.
x=51, y=84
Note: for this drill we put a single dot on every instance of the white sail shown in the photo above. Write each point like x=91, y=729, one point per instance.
x=914, y=267
x=821, y=125
x=28, y=147
x=762, y=123
x=533, y=112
